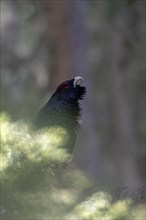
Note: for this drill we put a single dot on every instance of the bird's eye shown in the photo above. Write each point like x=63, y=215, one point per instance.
x=64, y=86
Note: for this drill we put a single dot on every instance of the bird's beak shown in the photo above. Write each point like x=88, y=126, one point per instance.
x=78, y=80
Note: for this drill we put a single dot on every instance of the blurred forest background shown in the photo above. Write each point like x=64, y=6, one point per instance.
x=46, y=42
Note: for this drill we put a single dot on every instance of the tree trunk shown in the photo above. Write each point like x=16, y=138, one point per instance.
x=68, y=40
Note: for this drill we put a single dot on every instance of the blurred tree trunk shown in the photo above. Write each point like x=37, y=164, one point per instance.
x=122, y=119
x=124, y=142
x=68, y=40
x=122, y=70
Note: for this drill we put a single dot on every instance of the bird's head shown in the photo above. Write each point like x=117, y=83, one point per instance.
x=70, y=90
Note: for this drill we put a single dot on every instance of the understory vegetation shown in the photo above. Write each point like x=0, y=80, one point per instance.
x=36, y=183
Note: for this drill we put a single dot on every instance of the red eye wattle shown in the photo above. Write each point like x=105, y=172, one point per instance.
x=64, y=86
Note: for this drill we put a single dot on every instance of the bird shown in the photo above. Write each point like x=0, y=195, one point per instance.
x=63, y=110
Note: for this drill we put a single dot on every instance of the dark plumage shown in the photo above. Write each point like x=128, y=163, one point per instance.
x=63, y=109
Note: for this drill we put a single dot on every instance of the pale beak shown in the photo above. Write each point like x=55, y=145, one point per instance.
x=77, y=81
